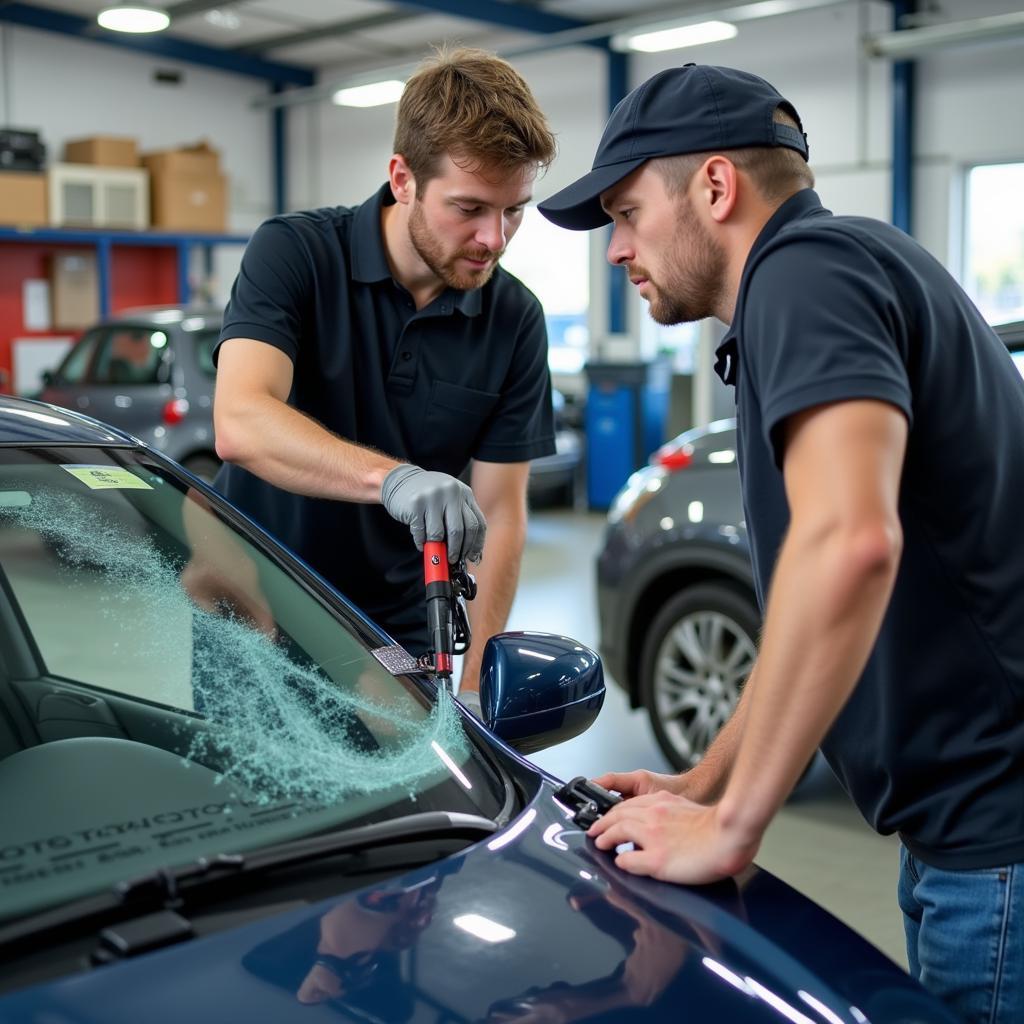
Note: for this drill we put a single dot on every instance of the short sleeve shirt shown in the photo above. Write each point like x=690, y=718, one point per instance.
x=466, y=377
x=931, y=743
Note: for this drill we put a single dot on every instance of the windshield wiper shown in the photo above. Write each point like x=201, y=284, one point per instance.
x=170, y=889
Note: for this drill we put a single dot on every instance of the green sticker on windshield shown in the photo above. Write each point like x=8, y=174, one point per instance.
x=108, y=478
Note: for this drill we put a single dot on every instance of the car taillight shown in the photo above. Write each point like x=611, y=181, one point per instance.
x=174, y=411
x=673, y=456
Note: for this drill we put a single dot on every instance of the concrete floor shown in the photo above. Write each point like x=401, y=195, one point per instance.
x=818, y=843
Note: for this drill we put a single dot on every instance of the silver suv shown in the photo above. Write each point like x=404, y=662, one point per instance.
x=150, y=373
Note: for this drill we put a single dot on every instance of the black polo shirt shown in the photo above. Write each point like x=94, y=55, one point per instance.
x=931, y=743
x=466, y=377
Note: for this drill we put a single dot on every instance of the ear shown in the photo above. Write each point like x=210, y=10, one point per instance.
x=403, y=184
x=719, y=182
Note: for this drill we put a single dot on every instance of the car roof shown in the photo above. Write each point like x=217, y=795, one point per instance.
x=24, y=421
x=1012, y=334
x=159, y=315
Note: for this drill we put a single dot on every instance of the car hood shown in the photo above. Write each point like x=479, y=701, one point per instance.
x=534, y=924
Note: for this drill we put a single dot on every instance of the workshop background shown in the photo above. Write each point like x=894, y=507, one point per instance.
x=183, y=141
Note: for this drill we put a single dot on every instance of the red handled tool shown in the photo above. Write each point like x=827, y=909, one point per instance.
x=447, y=617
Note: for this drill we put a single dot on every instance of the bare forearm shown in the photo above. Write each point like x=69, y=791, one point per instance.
x=288, y=449
x=706, y=783
x=496, y=576
x=826, y=606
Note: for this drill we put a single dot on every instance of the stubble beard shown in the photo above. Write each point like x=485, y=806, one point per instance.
x=443, y=267
x=694, y=275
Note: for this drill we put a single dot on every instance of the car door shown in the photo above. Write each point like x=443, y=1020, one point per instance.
x=68, y=386
x=130, y=378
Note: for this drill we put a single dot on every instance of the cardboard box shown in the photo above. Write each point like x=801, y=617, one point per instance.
x=74, y=288
x=199, y=159
x=188, y=202
x=23, y=199
x=105, y=150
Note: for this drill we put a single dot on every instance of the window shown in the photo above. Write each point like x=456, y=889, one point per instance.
x=130, y=355
x=206, y=342
x=993, y=257
x=74, y=367
x=555, y=265
x=677, y=342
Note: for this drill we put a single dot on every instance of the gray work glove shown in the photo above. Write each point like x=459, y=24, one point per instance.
x=435, y=506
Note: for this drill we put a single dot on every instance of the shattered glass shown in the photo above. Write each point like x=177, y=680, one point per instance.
x=277, y=722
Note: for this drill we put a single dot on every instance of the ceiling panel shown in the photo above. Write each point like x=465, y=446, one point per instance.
x=330, y=52
x=251, y=28
x=405, y=40
x=345, y=57
x=435, y=28
x=319, y=11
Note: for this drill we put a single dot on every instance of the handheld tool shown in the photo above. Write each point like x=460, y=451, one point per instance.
x=448, y=590
x=587, y=800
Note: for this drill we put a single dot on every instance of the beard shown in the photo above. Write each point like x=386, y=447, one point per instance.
x=445, y=266
x=694, y=277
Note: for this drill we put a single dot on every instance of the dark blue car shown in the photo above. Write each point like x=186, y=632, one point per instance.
x=225, y=795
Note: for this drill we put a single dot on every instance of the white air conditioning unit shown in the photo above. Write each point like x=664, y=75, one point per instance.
x=87, y=196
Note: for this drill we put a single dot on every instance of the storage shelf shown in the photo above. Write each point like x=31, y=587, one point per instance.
x=104, y=240
x=88, y=236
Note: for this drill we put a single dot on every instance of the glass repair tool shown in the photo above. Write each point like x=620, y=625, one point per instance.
x=448, y=590
x=587, y=800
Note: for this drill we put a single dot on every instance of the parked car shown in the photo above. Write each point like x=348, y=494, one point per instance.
x=678, y=614
x=556, y=479
x=150, y=372
x=677, y=610
x=226, y=795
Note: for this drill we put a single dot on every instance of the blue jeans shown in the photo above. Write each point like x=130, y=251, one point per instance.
x=965, y=937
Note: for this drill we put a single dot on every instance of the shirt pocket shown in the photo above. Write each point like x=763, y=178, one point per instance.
x=452, y=425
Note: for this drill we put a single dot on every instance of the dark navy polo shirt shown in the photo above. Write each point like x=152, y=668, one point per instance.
x=931, y=743
x=466, y=377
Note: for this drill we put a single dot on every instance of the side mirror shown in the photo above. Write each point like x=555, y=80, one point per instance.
x=537, y=689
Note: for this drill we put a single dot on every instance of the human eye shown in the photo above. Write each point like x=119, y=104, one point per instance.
x=468, y=211
x=627, y=213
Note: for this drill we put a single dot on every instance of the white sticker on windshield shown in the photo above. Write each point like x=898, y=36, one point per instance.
x=108, y=478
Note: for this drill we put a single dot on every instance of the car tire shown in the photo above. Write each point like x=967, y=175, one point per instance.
x=203, y=466
x=695, y=658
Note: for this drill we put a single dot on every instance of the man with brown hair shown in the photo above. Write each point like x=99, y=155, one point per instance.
x=368, y=354
x=878, y=426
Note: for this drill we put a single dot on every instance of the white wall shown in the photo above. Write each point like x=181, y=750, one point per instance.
x=968, y=109
x=350, y=158
x=68, y=88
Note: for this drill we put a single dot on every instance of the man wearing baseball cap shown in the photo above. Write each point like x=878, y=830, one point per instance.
x=879, y=427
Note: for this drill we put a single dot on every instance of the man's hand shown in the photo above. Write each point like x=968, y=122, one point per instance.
x=641, y=783
x=435, y=507
x=676, y=840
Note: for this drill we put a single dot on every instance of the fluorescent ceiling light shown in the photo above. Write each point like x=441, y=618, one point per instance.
x=677, y=38
x=376, y=94
x=133, y=18
x=484, y=928
x=223, y=19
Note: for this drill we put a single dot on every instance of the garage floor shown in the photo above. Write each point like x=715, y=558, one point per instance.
x=819, y=843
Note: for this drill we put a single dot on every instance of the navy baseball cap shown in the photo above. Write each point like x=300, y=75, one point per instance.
x=692, y=109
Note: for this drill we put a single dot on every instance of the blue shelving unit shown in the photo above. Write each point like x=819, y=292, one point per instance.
x=104, y=241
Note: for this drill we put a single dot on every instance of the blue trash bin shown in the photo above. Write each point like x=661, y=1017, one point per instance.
x=627, y=408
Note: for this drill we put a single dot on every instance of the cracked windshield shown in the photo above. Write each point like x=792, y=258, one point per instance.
x=181, y=695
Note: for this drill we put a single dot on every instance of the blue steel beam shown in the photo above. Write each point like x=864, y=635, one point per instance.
x=618, y=282
x=508, y=15
x=278, y=144
x=903, y=118
x=29, y=16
